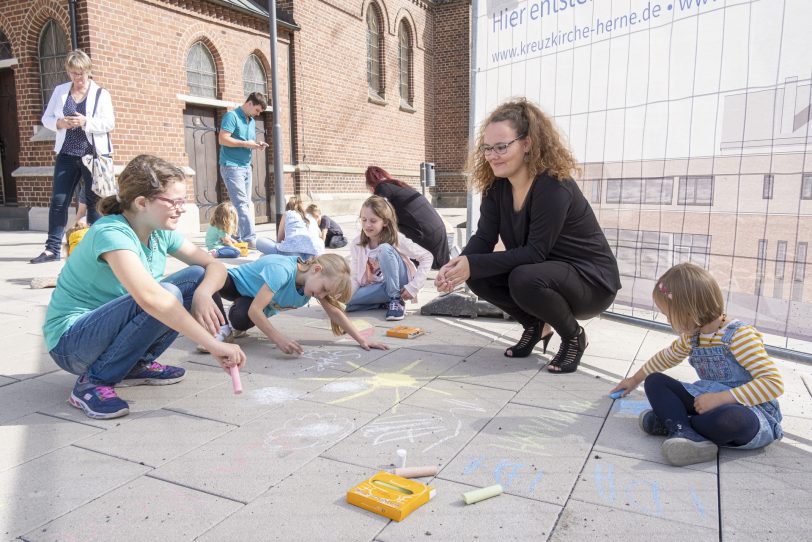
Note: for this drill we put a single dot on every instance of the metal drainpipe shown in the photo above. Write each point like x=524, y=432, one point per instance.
x=74, y=36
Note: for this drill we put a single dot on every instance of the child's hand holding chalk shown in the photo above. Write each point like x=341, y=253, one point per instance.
x=617, y=394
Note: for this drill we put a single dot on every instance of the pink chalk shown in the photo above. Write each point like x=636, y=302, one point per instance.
x=417, y=472
x=235, y=379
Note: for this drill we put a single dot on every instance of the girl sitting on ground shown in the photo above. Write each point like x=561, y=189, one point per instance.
x=298, y=234
x=734, y=402
x=383, y=274
x=222, y=226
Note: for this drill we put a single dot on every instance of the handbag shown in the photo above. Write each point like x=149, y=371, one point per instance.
x=101, y=167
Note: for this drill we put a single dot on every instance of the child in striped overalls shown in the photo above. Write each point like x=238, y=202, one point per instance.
x=734, y=402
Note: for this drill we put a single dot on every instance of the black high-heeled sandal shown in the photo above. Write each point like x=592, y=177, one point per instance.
x=569, y=354
x=530, y=338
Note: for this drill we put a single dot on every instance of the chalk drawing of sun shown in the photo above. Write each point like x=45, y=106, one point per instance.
x=362, y=386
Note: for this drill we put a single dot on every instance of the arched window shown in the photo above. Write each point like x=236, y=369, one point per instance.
x=405, y=62
x=5, y=47
x=53, y=48
x=253, y=76
x=201, y=73
x=374, y=51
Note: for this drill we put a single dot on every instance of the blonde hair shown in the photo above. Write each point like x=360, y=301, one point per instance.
x=295, y=204
x=79, y=61
x=313, y=209
x=383, y=210
x=224, y=217
x=691, y=295
x=548, y=152
x=145, y=175
x=334, y=267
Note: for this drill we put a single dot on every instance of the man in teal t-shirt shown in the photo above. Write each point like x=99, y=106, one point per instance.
x=237, y=139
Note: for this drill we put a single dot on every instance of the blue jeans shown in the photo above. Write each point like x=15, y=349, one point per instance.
x=395, y=276
x=68, y=171
x=269, y=246
x=227, y=252
x=107, y=342
x=238, y=183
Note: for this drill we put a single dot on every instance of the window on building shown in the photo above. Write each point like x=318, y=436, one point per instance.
x=405, y=62
x=374, y=49
x=695, y=190
x=53, y=48
x=253, y=76
x=5, y=47
x=767, y=189
x=201, y=73
x=806, y=186
x=780, y=266
x=692, y=247
x=800, y=272
x=761, y=265
x=649, y=253
x=654, y=190
x=596, y=191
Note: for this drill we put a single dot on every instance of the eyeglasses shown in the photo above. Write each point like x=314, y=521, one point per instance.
x=174, y=203
x=499, y=148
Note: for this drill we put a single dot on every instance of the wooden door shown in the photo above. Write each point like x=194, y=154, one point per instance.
x=200, y=131
x=9, y=135
x=261, y=180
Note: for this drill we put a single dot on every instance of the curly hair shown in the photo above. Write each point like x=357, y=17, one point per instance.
x=548, y=150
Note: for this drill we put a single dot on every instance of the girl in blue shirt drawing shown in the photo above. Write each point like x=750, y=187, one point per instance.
x=274, y=283
x=112, y=314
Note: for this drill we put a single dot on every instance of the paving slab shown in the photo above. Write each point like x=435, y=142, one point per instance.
x=144, y=509
x=616, y=340
x=451, y=396
x=621, y=434
x=35, y=435
x=457, y=337
x=28, y=396
x=156, y=437
x=382, y=384
x=286, y=512
x=430, y=437
x=489, y=367
x=25, y=357
x=244, y=463
x=532, y=452
x=45, y=488
x=652, y=489
x=578, y=392
x=4, y=381
x=447, y=518
x=587, y=521
x=261, y=394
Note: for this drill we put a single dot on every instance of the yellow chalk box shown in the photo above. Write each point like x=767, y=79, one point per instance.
x=389, y=495
x=404, y=332
x=242, y=246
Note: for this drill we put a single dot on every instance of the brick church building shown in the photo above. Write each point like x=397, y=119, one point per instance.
x=361, y=82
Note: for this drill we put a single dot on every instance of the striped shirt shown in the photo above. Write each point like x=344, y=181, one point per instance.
x=747, y=348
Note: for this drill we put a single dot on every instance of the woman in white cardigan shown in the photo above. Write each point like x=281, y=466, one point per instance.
x=81, y=114
x=382, y=270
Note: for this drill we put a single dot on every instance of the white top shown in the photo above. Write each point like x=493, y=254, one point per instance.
x=99, y=125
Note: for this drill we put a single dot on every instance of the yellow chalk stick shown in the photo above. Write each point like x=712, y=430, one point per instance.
x=476, y=495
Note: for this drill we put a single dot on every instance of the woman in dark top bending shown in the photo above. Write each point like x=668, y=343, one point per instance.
x=417, y=219
x=557, y=265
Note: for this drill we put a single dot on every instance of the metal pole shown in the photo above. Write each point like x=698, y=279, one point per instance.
x=278, y=180
x=472, y=199
x=74, y=35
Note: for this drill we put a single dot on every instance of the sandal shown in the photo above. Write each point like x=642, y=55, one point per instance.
x=530, y=337
x=569, y=354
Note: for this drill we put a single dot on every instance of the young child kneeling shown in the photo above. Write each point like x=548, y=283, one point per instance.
x=273, y=283
x=383, y=273
x=734, y=402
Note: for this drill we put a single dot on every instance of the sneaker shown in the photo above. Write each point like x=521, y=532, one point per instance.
x=395, y=310
x=152, y=374
x=650, y=423
x=225, y=335
x=684, y=446
x=98, y=402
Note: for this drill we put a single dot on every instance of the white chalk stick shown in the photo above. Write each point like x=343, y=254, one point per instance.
x=417, y=472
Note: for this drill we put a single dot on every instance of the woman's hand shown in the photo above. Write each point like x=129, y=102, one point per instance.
x=227, y=355
x=377, y=346
x=452, y=274
x=206, y=312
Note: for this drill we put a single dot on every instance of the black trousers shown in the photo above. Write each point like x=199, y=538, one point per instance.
x=726, y=425
x=238, y=314
x=550, y=292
